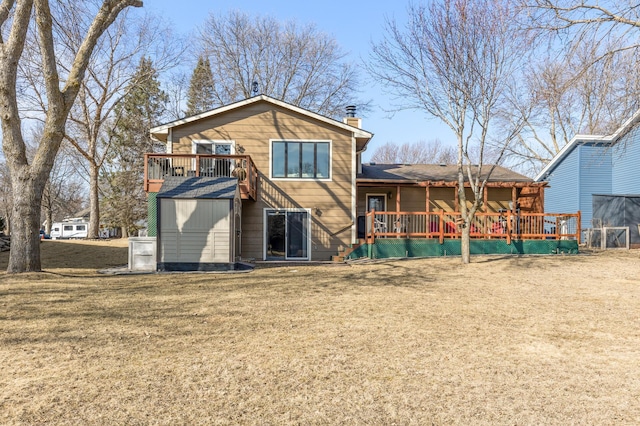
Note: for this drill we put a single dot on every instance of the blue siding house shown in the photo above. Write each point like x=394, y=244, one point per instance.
x=593, y=164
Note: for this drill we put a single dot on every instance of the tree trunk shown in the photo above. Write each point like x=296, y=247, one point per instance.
x=24, y=255
x=94, y=202
x=28, y=180
x=7, y=224
x=49, y=218
x=465, y=244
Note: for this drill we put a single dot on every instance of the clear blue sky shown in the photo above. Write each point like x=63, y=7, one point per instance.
x=353, y=24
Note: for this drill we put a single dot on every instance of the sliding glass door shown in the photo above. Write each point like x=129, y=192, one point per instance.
x=286, y=234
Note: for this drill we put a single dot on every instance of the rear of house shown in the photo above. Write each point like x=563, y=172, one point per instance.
x=303, y=194
x=303, y=206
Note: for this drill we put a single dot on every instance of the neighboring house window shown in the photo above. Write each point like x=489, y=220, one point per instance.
x=300, y=160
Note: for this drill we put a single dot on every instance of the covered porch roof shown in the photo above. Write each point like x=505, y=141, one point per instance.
x=442, y=175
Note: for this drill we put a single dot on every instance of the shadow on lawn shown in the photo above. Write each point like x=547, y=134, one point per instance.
x=76, y=255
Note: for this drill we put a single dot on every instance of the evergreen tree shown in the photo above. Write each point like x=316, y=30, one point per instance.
x=124, y=200
x=201, y=89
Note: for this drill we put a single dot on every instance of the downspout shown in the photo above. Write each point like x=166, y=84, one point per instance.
x=354, y=173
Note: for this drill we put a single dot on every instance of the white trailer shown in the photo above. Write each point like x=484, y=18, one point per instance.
x=61, y=230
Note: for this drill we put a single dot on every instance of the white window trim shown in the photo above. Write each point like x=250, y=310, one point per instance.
x=196, y=142
x=170, y=142
x=285, y=179
x=366, y=207
x=264, y=231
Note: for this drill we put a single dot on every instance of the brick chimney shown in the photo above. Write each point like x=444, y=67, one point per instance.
x=351, y=118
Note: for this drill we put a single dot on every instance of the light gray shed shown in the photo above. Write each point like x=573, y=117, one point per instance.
x=198, y=224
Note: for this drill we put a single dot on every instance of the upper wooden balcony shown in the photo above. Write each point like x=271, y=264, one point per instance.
x=158, y=166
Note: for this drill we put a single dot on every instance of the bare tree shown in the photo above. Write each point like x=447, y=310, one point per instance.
x=297, y=64
x=94, y=117
x=616, y=20
x=61, y=86
x=587, y=79
x=176, y=87
x=415, y=153
x=566, y=93
x=455, y=60
x=64, y=193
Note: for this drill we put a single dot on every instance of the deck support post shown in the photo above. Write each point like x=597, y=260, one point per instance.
x=509, y=227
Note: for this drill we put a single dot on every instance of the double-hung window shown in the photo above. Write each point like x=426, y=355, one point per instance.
x=300, y=159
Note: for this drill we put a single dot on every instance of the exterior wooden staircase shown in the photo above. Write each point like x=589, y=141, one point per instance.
x=342, y=254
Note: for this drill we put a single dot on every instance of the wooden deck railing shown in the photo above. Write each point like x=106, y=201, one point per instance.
x=441, y=225
x=159, y=166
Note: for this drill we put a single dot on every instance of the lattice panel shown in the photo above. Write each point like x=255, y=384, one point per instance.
x=152, y=215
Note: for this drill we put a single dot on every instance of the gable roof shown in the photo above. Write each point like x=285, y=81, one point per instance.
x=161, y=132
x=584, y=139
x=430, y=172
x=198, y=187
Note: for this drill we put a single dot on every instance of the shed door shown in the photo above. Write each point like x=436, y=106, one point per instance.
x=195, y=231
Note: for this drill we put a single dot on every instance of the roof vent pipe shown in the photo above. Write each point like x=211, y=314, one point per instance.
x=351, y=111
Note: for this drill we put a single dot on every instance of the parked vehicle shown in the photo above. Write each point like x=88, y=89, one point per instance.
x=62, y=230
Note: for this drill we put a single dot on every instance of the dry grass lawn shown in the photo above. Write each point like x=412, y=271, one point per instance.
x=505, y=340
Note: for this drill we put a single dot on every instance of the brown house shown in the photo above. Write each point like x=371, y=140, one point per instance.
x=296, y=170
x=433, y=187
x=305, y=195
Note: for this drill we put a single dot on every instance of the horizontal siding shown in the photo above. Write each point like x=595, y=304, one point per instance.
x=221, y=248
x=169, y=247
x=626, y=163
x=595, y=178
x=411, y=200
x=498, y=199
x=252, y=128
x=327, y=220
x=442, y=199
x=198, y=247
x=194, y=215
x=562, y=193
x=195, y=231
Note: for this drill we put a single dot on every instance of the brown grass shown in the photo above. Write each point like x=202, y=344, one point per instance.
x=505, y=340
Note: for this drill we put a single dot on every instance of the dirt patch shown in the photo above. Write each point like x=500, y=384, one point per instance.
x=505, y=340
